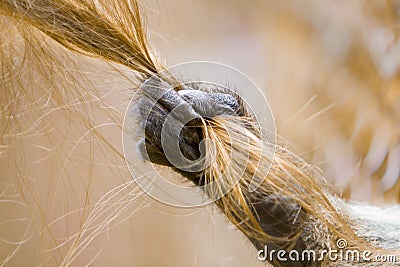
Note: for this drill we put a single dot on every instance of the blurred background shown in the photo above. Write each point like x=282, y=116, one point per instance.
x=330, y=70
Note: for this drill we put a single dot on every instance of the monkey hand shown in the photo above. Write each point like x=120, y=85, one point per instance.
x=172, y=124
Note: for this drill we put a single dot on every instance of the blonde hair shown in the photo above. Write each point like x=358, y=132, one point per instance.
x=113, y=31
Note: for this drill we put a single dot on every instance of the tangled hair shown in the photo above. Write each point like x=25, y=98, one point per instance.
x=292, y=209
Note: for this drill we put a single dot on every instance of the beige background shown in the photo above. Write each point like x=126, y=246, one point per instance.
x=330, y=70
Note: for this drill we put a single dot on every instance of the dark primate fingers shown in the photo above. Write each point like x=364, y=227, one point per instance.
x=210, y=104
x=162, y=93
x=152, y=153
x=178, y=114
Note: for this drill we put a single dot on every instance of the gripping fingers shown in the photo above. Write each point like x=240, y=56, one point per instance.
x=161, y=93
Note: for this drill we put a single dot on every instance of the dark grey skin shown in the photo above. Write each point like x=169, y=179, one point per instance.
x=159, y=99
x=279, y=216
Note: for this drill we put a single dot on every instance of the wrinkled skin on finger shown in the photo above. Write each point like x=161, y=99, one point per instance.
x=179, y=113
